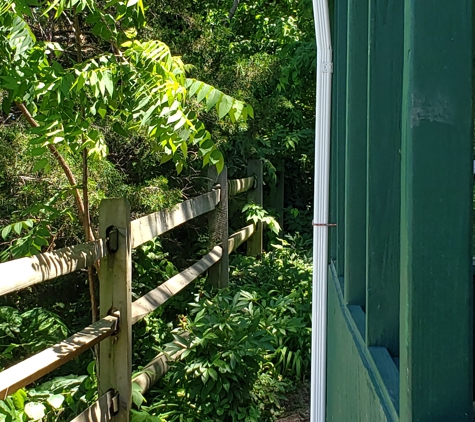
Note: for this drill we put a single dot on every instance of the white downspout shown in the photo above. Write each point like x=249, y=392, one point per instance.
x=320, y=213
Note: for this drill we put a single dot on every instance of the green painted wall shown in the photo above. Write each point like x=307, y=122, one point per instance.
x=355, y=391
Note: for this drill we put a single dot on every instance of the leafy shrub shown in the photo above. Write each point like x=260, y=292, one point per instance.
x=244, y=347
x=281, y=280
x=224, y=350
x=299, y=221
x=58, y=399
x=28, y=333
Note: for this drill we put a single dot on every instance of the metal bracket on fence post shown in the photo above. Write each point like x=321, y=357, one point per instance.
x=115, y=312
x=114, y=408
x=255, y=183
x=112, y=236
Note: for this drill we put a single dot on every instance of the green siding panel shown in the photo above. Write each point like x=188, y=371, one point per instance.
x=332, y=212
x=385, y=64
x=339, y=128
x=356, y=392
x=436, y=286
x=355, y=172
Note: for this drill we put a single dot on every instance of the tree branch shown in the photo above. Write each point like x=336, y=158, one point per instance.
x=83, y=212
x=85, y=177
x=232, y=12
x=62, y=162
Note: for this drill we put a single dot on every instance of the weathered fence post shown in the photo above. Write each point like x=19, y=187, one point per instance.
x=218, y=274
x=115, y=357
x=277, y=196
x=254, y=168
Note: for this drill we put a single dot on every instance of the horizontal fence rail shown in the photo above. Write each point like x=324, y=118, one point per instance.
x=33, y=368
x=153, y=225
x=158, y=296
x=238, y=186
x=158, y=367
x=25, y=272
x=238, y=238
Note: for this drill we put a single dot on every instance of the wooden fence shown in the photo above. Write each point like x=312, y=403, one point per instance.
x=118, y=236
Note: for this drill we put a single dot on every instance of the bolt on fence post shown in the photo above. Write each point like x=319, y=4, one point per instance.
x=218, y=274
x=254, y=168
x=115, y=355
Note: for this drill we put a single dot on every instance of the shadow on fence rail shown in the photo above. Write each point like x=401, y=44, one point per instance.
x=118, y=236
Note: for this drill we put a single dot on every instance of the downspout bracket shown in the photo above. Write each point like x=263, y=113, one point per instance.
x=327, y=67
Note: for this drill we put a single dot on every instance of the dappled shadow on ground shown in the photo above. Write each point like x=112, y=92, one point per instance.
x=297, y=406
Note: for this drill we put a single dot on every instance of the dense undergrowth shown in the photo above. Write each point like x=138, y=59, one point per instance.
x=244, y=346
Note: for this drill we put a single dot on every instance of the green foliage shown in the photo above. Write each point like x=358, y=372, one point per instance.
x=241, y=347
x=266, y=55
x=152, y=196
x=30, y=238
x=281, y=280
x=26, y=333
x=225, y=339
x=151, y=267
x=256, y=213
x=142, y=88
x=58, y=399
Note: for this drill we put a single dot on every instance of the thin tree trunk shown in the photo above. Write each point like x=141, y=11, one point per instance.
x=83, y=212
x=85, y=174
x=62, y=162
x=232, y=12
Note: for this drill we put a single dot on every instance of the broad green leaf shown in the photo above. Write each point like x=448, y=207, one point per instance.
x=80, y=81
x=93, y=79
x=212, y=373
x=148, y=113
x=56, y=400
x=137, y=396
x=203, y=92
x=141, y=416
x=37, y=151
x=179, y=124
x=108, y=83
x=142, y=103
x=166, y=157
x=206, y=147
x=19, y=398
x=28, y=223
x=175, y=117
x=216, y=157
x=224, y=106
x=238, y=107
x=18, y=227
x=6, y=105
x=35, y=410
x=40, y=165
x=102, y=83
x=102, y=112
x=195, y=87
x=250, y=111
x=213, y=97
x=119, y=129
x=10, y=82
x=6, y=231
